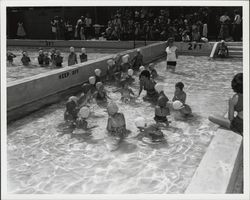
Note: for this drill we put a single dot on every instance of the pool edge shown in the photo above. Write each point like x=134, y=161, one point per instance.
x=218, y=169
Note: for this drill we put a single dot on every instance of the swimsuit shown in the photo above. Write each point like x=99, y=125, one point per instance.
x=237, y=122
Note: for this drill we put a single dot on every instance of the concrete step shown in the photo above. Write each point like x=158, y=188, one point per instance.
x=235, y=53
x=235, y=56
x=235, y=47
x=233, y=43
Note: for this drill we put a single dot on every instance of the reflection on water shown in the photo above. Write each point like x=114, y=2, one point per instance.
x=19, y=71
x=46, y=156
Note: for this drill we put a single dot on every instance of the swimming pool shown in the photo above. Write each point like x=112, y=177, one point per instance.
x=44, y=157
x=19, y=71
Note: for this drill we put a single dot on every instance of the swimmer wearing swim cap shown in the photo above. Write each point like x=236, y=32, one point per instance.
x=152, y=131
x=116, y=125
x=83, y=56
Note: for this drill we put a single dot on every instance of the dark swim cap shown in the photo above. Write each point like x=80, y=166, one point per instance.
x=145, y=73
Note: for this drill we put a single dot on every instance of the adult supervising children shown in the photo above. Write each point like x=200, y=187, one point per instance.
x=172, y=55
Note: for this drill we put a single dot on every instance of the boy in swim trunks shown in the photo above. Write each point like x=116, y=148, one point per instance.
x=179, y=94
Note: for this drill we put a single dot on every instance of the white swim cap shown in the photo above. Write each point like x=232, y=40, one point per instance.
x=98, y=85
x=110, y=62
x=73, y=98
x=140, y=122
x=92, y=80
x=204, y=39
x=177, y=105
x=151, y=65
x=72, y=49
x=130, y=72
x=112, y=108
x=84, y=112
x=138, y=50
x=98, y=72
x=141, y=68
x=83, y=50
x=159, y=87
x=125, y=58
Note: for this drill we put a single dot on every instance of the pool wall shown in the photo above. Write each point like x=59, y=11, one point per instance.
x=186, y=48
x=218, y=169
x=31, y=93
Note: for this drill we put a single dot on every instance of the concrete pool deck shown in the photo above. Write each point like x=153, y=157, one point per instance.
x=219, y=167
x=217, y=170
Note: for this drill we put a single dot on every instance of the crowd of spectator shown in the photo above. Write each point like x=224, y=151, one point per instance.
x=150, y=24
x=66, y=30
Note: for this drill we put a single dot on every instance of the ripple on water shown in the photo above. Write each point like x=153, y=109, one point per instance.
x=45, y=157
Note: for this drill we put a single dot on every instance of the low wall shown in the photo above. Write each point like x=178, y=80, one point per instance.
x=32, y=93
x=103, y=44
x=184, y=48
x=218, y=168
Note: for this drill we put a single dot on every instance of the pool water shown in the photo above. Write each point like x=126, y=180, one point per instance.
x=44, y=156
x=18, y=71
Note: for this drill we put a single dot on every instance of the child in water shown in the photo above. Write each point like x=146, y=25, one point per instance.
x=100, y=93
x=47, y=60
x=111, y=70
x=116, y=125
x=130, y=78
x=88, y=89
x=222, y=50
x=53, y=56
x=58, y=59
x=179, y=94
x=148, y=84
x=72, y=110
x=183, y=109
x=125, y=66
x=152, y=71
x=25, y=59
x=172, y=55
x=81, y=121
x=83, y=56
x=235, y=123
x=126, y=92
x=162, y=109
x=76, y=116
x=72, y=59
x=152, y=131
x=138, y=60
x=98, y=75
x=10, y=57
x=40, y=58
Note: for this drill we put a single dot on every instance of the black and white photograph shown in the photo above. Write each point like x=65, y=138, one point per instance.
x=125, y=98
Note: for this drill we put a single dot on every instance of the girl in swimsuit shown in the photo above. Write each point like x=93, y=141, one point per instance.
x=235, y=105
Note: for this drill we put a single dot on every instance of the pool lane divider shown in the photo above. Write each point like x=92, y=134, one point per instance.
x=29, y=94
x=218, y=169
